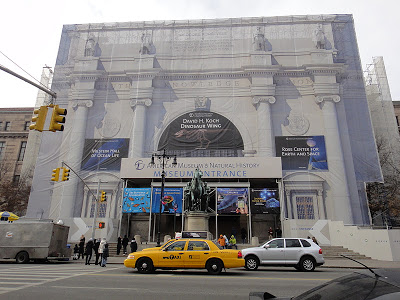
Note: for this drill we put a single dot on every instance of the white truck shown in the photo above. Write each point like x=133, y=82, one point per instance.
x=37, y=240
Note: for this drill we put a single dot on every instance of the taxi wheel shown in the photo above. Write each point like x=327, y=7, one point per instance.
x=307, y=264
x=145, y=265
x=214, y=266
x=251, y=263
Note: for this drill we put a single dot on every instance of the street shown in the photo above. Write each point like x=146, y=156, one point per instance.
x=77, y=280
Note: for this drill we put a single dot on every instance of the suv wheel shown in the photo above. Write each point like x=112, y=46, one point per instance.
x=307, y=264
x=251, y=263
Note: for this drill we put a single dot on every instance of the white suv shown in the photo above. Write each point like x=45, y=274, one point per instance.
x=303, y=254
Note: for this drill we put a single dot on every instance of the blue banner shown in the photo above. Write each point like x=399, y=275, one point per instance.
x=264, y=201
x=302, y=152
x=136, y=200
x=172, y=202
x=232, y=201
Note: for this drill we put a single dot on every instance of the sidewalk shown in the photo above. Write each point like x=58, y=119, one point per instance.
x=329, y=263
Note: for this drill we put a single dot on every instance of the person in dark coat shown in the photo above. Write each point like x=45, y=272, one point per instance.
x=96, y=251
x=76, y=252
x=81, y=246
x=119, y=245
x=89, y=251
x=105, y=256
x=125, y=242
x=243, y=234
x=133, y=245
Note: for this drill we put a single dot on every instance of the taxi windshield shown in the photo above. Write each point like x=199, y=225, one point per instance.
x=168, y=243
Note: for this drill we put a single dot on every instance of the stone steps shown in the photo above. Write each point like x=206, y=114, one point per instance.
x=337, y=251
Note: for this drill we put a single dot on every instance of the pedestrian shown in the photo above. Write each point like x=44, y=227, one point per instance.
x=105, y=256
x=101, y=248
x=76, y=252
x=125, y=242
x=221, y=241
x=96, y=250
x=232, y=241
x=278, y=232
x=133, y=245
x=270, y=233
x=81, y=246
x=88, y=251
x=227, y=245
x=314, y=240
x=119, y=245
x=243, y=234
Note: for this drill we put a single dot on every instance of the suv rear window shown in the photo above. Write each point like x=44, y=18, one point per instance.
x=292, y=243
x=305, y=243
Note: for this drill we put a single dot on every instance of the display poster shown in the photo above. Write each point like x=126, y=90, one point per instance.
x=302, y=152
x=201, y=130
x=232, y=201
x=104, y=154
x=264, y=201
x=136, y=200
x=172, y=202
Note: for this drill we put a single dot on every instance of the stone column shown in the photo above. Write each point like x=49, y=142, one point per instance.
x=321, y=207
x=75, y=155
x=339, y=186
x=266, y=139
x=138, y=132
x=289, y=206
x=84, y=202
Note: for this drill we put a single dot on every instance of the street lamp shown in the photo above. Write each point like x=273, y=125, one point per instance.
x=163, y=158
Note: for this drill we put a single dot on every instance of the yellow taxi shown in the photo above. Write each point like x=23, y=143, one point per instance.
x=186, y=254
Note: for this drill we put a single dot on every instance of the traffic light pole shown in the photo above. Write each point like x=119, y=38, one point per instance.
x=95, y=209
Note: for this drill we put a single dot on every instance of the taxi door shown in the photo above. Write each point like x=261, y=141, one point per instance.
x=172, y=256
x=197, y=254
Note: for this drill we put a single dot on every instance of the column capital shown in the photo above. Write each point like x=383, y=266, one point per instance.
x=325, y=98
x=263, y=99
x=146, y=102
x=84, y=103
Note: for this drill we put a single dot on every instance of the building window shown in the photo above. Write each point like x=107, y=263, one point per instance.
x=2, y=148
x=22, y=151
x=1, y=125
x=101, y=209
x=305, y=207
x=7, y=127
x=27, y=123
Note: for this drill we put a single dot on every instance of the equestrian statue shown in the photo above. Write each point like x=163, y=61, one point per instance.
x=196, y=193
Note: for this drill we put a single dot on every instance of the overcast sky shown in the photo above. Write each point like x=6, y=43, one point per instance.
x=30, y=31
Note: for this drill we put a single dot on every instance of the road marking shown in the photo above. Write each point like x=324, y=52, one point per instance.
x=96, y=288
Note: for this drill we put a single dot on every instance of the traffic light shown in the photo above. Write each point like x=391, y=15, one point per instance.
x=56, y=118
x=55, y=175
x=103, y=196
x=102, y=225
x=65, y=174
x=39, y=119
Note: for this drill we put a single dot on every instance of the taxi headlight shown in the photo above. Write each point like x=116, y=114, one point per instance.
x=131, y=256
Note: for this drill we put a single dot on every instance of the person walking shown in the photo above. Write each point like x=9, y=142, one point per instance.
x=232, y=241
x=227, y=245
x=314, y=240
x=270, y=233
x=96, y=250
x=101, y=248
x=125, y=242
x=133, y=245
x=81, y=247
x=76, y=252
x=119, y=245
x=89, y=251
x=243, y=234
x=221, y=241
x=105, y=256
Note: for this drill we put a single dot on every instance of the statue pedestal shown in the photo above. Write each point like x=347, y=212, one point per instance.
x=196, y=221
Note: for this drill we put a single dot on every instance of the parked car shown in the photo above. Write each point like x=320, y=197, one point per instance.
x=303, y=254
x=186, y=254
x=382, y=284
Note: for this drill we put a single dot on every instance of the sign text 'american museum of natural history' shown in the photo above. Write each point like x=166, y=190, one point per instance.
x=211, y=167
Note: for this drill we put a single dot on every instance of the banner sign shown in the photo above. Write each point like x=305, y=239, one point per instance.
x=302, y=152
x=104, y=154
x=264, y=201
x=136, y=200
x=232, y=201
x=172, y=202
x=212, y=167
x=201, y=130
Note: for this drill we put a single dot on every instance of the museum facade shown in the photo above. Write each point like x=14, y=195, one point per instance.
x=272, y=110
